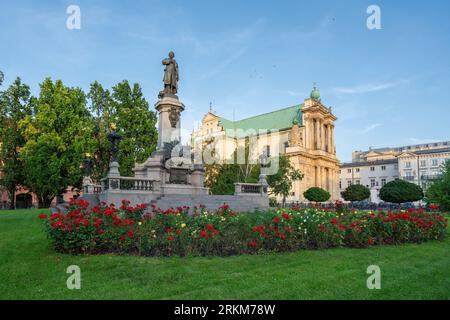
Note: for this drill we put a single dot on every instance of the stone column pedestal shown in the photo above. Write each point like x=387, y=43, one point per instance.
x=169, y=110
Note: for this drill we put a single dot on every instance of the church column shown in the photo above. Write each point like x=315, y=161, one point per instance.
x=317, y=144
x=332, y=139
x=328, y=128
x=308, y=133
x=322, y=130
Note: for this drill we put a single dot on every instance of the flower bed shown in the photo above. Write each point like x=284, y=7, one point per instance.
x=150, y=231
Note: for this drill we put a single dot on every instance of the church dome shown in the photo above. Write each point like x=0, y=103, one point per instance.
x=315, y=94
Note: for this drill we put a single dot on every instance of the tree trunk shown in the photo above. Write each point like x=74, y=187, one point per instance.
x=12, y=200
x=45, y=201
x=283, y=201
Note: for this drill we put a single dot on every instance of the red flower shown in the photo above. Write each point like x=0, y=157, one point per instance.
x=131, y=233
x=170, y=238
x=285, y=215
x=42, y=216
x=168, y=230
x=124, y=237
x=282, y=236
x=333, y=221
x=252, y=243
x=100, y=231
x=179, y=231
x=204, y=234
x=210, y=227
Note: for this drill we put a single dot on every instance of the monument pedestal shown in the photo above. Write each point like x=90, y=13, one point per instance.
x=169, y=111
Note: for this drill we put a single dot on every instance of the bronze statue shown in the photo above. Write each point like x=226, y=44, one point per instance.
x=170, y=77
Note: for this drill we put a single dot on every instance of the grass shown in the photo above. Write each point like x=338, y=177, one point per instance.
x=29, y=269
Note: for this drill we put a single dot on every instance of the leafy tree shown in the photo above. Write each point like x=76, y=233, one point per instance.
x=227, y=175
x=439, y=190
x=2, y=77
x=399, y=191
x=221, y=177
x=316, y=194
x=355, y=192
x=14, y=107
x=136, y=123
x=280, y=183
x=103, y=113
x=58, y=136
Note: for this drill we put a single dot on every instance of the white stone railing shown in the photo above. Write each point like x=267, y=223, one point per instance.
x=127, y=183
x=250, y=188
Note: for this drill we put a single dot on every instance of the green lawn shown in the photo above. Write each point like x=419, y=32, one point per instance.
x=29, y=269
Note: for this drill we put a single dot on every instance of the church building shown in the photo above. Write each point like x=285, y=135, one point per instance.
x=304, y=133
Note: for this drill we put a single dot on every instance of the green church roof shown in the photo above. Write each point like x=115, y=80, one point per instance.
x=281, y=119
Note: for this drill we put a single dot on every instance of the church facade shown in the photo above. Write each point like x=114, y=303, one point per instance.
x=304, y=133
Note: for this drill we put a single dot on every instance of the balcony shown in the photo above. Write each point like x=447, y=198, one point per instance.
x=430, y=176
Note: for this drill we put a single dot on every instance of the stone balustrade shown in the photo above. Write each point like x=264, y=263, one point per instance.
x=250, y=188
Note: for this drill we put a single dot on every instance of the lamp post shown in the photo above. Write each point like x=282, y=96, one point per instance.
x=87, y=165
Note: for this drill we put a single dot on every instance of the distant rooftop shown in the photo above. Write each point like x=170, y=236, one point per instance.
x=409, y=147
x=368, y=163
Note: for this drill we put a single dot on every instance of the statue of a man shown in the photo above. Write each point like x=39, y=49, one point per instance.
x=170, y=76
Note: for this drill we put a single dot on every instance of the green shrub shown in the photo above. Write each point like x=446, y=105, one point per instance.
x=316, y=194
x=399, y=191
x=355, y=192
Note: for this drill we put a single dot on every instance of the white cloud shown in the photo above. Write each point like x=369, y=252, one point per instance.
x=370, y=128
x=369, y=87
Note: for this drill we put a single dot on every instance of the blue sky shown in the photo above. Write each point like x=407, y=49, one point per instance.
x=388, y=87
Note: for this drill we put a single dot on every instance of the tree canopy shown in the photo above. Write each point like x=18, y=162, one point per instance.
x=14, y=107
x=439, y=190
x=316, y=194
x=400, y=191
x=58, y=135
x=355, y=192
x=282, y=181
x=135, y=122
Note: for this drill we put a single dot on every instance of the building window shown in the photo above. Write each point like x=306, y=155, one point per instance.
x=372, y=168
x=423, y=163
x=383, y=182
x=286, y=145
x=372, y=183
x=358, y=182
x=357, y=169
x=340, y=184
x=383, y=168
x=349, y=183
x=408, y=164
x=434, y=162
x=349, y=170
